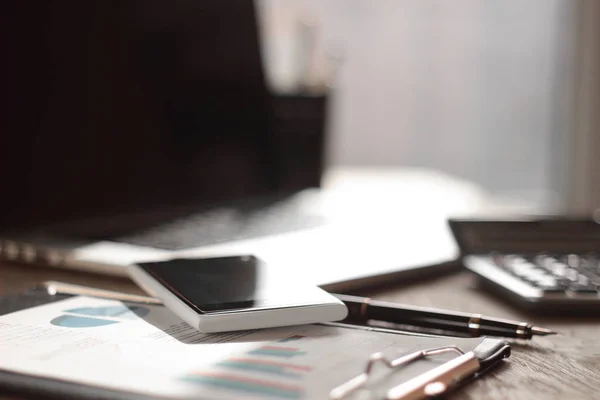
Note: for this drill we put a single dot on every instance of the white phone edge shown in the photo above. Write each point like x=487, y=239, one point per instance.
x=333, y=310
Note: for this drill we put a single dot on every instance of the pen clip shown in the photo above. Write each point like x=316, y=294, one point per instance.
x=442, y=375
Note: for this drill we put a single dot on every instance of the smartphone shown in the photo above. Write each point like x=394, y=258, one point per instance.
x=235, y=293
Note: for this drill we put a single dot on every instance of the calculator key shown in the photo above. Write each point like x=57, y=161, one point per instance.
x=583, y=280
x=548, y=281
x=590, y=275
x=573, y=261
x=583, y=288
x=538, y=278
x=559, y=269
x=516, y=258
x=563, y=282
x=525, y=273
x=587, y=266
x=552, y=289
x=545, y=262
x=592, y=263
x=517, y=267
x=572, y=274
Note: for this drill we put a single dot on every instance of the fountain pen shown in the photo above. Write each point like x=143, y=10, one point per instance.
x=363, y=309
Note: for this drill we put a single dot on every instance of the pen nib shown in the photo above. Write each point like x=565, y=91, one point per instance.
x=536, y=330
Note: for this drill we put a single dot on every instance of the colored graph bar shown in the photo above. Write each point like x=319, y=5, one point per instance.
x=246, y=385
x=266, y=366
x=277, y=351
x=291, y=338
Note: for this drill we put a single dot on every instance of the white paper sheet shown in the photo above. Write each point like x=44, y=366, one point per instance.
x=147, y=349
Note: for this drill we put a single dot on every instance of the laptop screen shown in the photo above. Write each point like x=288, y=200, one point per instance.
x=120, y=106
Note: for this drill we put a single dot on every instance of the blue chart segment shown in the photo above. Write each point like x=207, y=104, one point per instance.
x=246, y=385
x=277, y=351
x=291, y=338
x=120, y=311
x=265, y=366
x=91, y=317
x=74, y=321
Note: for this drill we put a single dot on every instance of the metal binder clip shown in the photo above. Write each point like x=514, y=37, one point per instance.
x=432, y=383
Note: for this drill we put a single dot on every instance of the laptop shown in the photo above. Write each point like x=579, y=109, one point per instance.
x=145, y=130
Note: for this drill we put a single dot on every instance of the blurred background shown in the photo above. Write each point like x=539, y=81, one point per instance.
x=503, y=94
x=140, y=113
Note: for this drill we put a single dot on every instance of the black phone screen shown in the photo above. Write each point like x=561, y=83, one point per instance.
x=229, y=283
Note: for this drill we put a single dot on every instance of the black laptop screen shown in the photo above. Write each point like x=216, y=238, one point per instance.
x=116, y=107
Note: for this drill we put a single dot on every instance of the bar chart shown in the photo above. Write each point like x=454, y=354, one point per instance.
x=264, y=371
x=282, y=369
x=247, y=385
x=277, y=351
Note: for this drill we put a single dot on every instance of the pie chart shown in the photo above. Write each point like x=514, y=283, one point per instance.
x=92, y=317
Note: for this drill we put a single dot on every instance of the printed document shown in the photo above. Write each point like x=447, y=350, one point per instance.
x=148, y=350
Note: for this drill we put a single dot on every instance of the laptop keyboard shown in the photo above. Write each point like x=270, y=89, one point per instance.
x=223, y=224
x=554, y=273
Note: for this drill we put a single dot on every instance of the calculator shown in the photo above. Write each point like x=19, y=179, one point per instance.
x=548, y=265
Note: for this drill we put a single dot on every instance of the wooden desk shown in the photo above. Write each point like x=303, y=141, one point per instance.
x=565, y=366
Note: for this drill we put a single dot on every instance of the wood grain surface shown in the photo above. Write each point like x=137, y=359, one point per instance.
x=565, y=366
